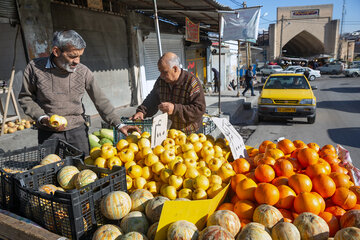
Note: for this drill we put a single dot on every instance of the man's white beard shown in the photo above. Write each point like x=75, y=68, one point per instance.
x=67, y=67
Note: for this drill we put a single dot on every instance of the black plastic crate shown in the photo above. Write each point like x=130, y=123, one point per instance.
x=74, y=214
x=144, y=126
x=14, y=162
x=207, y=124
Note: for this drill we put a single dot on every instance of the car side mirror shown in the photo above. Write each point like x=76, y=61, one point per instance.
x=314, y=87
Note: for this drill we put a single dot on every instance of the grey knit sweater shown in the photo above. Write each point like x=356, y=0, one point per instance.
x=55, y=91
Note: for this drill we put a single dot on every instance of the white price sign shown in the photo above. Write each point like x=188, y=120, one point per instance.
x=236, y=142
x=159, y=129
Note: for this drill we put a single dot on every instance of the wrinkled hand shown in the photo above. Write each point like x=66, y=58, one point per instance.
x=129, y=129
x=45, y=121
x=166, y=107
x=137, y=116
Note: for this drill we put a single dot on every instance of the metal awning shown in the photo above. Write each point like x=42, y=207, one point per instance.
x=199, y=11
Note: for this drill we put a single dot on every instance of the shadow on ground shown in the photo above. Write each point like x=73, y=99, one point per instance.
x=345, y=136
x=343, y=90
x=345, y=106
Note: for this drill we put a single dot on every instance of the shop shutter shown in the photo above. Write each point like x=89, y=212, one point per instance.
x=8, y=9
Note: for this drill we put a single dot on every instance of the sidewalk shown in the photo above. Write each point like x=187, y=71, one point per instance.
x=237, y=109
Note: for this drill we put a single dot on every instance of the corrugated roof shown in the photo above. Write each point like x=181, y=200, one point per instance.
x=198, y=11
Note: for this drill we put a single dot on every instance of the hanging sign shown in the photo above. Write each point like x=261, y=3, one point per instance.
x=97, y=4
x=192, y=31
x=159, y=129
x=236, y=142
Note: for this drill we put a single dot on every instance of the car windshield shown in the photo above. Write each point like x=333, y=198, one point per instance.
x=276, y=67
x=286, y=82
x=289, y=68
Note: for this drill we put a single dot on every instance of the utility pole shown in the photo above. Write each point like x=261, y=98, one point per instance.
x=238, y=69
x=341, y=29
x=157, y=28
x=281, y=34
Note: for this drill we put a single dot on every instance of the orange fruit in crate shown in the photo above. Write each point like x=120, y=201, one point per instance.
x=241, y=165
x=234, y=199
x=266, y=193
x=314, y=146
x=235, y=180
x=295, y=163
x=226, y=206
x=307, y=202
x=329, y=156
x=280, y=181
x=263, y=145
x=252, y=152
x=283, y=167
x=332, y=222
x=274, y=153
x=336, y=211
x=286, y=146
x=316, y=169
x=307, y=156
x=300, y=183
x=299, y=144
x=357, y=206
x=338, y=169
x=286, y=197
x=245, y=189
x=288, y=216
x=344, y=198
x=244, y=209
x=356, y=190
x=330, y=147
x=251, y=175
x=267, y=160
x=321, y=201
x=270, y=146
x=340, y=179
x=264, y=173
x=324, y=185
x=326, y=165
x=258, y=158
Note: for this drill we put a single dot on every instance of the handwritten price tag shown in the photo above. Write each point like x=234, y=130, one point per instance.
x=236, y=142
x=159, y=129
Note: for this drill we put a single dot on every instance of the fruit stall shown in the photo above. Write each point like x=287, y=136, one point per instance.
x=188, y=187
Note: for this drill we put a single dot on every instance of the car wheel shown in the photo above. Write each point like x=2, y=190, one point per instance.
x=312, y=78
x=311, y=120
x=354, y=74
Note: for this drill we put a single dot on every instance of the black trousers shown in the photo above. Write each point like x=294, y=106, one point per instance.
x=78, y=137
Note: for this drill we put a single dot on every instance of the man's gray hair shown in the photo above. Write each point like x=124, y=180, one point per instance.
x=65, y=39
x=172, y=61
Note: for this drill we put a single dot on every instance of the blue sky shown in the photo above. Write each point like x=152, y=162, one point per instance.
x=351, y=20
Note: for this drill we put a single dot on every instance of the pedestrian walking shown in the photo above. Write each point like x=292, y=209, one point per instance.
x=249, y=76
x=216, y=80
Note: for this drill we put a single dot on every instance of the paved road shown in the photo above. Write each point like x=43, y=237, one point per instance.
x=337, y=120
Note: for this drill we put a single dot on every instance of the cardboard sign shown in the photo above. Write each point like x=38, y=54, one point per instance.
x=159, y=129
x=236, y=142
x=192, y=32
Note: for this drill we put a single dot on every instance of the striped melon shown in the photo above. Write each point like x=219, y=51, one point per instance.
x=107, y=232
x=350, y=219
x=182, y=230
x=215, y=232
x=139, y=199
x=267, y=215
x=134, y=236
x=51, y=158
x=135, y=222
x=226, y=219
x=48, y=188
x=154, y=207
x=349, y=233
x=284, y=231
x=311, y=226
x=152, y=231
x=255, y=231
x=115, y=205
x=66, y=177
x=84, y=178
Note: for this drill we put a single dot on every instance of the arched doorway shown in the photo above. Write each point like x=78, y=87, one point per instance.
x=303, y=44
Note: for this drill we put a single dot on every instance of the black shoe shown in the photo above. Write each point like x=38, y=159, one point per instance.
x=253, y=94
x=243, y=94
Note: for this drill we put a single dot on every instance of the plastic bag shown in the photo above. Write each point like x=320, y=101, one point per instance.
x=346, y=162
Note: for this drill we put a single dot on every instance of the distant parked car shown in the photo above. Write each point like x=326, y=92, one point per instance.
x=313, y=74
x=352, y=72
x=332, y=68
x=270, y=69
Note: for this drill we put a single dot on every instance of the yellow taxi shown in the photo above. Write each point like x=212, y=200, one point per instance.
x=287, y=96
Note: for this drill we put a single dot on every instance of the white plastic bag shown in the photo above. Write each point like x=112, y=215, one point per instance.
x=346, y=162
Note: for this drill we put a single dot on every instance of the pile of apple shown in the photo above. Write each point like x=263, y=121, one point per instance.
x=193, y=167
x=11, y=127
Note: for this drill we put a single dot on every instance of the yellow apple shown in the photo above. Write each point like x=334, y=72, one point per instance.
x=167, y=156
x=143, y=142
x=156, y=178
x=191, y=154
x=193, y=137
x=95, y=153
x=197, y=147
x=145, y=134
x=214, y=164
x=178, y=150
x=129, y=182
x=100, y=162
x=147, y=173
x=187, y=147
x=226, y=172
x=168, y=141
x=191, y=172
x=213, y=190
x=122, y=144
x=107, y=151
x=126, y=155
x=129, y=164
x=199, y=194
x=151, y=187
x=169, y=192
x=139, y=182
x=134, y=171
x=185, y=193
x=201, y=182
x=180, y=140
x=208, y=143
x=113, y=161
x=145, y=151
x=165, y=174
x=207, y=150
x=170, y=147
x=132, y=138
x=56, y=121
x=173, y=162
x=189, y=162
x=134, y=147
x=201, y=164
x=89, y=161
x=215, y=179
x=188, y=183
x=205, y=171
x=157, y=167
x=202, y=137
x=141, y=162
x=151, y=159
x=138, y=156
x=218, y=151
x=175, y=181
x=173, y=133
x=179, y=169
x=208, y=158
x=158, y=150
x=163, y=185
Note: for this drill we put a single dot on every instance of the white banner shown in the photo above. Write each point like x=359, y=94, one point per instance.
x=241, y=25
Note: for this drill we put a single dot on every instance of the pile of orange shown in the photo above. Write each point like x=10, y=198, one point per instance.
x=294, y=177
